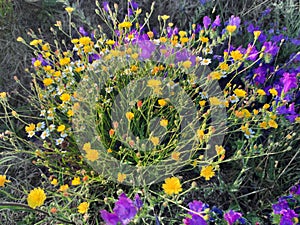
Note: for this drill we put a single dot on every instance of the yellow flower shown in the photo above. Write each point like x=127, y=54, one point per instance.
x=86, y=146
x=154, y=83
x=224, y=66
x=69, y=9
x=236, y=55
x=110, y=42
x=215, y=75
x=184, y=40
x=121, y=177
x=231, y=28
x=240, y=93
x=61, y=128
x=272, y=123
x=165, y=17
x=30, y=127
x=92, y=155
x=204, y=39
x=37, y=63
x=65, y=97
x=76, y=181
x=35, y=42
x=266, y=106
x=83, y=207
x=175, y=156
x=85, y=40
x=154, y=140
x=164, y=122
x=220, y=150
x=54, y=182
x=64, y=61
x=202, y=103
x=200, y=134
x=261, y=92
x=125, y=24
x=163, y=40
x=263, y=125
x=36, y=198
x=256, y=33
x=273, y=92
x=70, y=113
x=187, y=64
x=3, y=180
x=182, y=33
x=129, y=115
x=3, y=95
x=47, y=81
x=75, y=40
x=64, y=188
x=45, y=47
x=207, y=172
x=214, y=101
x=172, y=186
x=150, y=34
x=57, y=73
x=162, y=102
x=20, y=39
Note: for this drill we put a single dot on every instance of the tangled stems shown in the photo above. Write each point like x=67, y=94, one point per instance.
x=20, y=206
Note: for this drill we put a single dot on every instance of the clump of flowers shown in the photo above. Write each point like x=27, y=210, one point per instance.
x=287, y=209
x=124, y=210
x=137, y=106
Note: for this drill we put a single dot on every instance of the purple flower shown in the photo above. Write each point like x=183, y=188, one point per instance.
x=105, y=6
x=217, y=22
x=266, y=12
x=296, y=41
x=109, y=218
x=184, y=55
x=260, y=74
x=231, y=217
x=289, y=81
x=41, y=59
x=83, y=32
x=281, y=205
x=197, y=29
x=235, y=20
x=287, y=217
x=134, y=5
x=253, y=53
x=138, y=202
x=125, y=209
x=197, y=206
x=147, y=48
x=94, y=57
x=195, y=220
x=277, y=38
x=206, y=21
x=295, y=190
x=262, y=37
x=271, y=48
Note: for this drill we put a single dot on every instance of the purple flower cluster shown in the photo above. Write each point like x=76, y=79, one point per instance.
x=201, y=215
x=286, y=210
x=196, y=219
x=124, y=211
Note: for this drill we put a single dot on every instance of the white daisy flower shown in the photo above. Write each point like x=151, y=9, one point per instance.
x=40, y=126
x=59, y=141
x=30, y=134
x=205, y=62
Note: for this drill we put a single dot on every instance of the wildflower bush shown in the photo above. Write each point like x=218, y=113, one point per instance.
x=145, y=126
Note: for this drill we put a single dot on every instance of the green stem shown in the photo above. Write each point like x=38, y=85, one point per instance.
x=36, y=210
